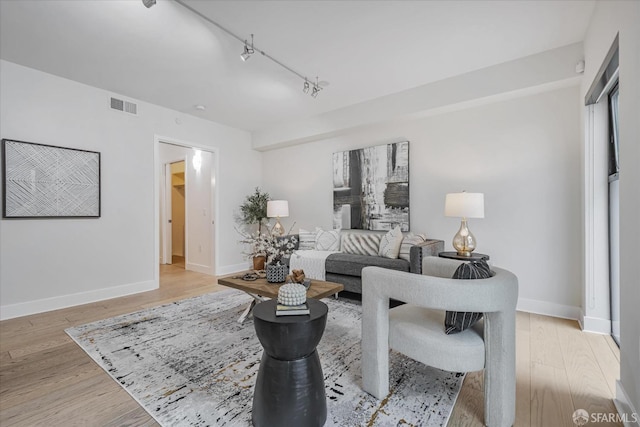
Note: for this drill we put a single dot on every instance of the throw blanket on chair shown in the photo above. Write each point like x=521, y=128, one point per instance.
x=312, y=262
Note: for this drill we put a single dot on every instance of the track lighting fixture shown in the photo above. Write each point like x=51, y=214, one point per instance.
x=316, y=89
x=248, y=51
x=148, y=3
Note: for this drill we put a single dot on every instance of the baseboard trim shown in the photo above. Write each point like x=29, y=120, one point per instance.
x=198, y=268
x=234, y=268
x=595, y=324
x=548, y=308
x=11, y=311
x=628, y=414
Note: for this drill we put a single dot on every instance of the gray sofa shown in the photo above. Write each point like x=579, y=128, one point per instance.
x=346, y=268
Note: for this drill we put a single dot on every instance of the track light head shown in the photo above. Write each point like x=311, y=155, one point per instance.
x=248, y=50
x=306, y=86
x=316, y=89
x=148, y=3
x=246, y=54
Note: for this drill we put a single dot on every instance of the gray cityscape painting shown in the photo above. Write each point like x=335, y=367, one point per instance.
x=371, y=187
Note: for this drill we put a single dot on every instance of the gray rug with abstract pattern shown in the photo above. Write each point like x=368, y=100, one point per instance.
x=190, y=363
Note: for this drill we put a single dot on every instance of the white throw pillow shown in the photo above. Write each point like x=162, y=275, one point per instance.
x=409, y=241
x=307, y=240
x=390, y=243
x=327, y=240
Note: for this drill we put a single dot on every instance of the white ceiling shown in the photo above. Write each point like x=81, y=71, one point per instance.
x=168, y=56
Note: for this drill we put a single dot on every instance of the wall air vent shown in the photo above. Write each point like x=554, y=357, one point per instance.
x=124, y=106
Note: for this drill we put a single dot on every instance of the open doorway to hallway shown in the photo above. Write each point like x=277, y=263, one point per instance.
x=176, y=206
x=186, y=207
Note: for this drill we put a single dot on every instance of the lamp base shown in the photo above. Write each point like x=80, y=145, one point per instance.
x=464, y=241
x=278, y=229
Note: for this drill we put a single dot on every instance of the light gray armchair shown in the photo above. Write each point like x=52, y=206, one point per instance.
x=416, y=329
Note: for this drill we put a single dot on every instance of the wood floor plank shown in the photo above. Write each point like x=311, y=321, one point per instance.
x=16, y=324
x=29, y=411
x=523, y=322
x=469, y=408
x=33, y=333
x=50, y=383
x=32, y=368
x=137, y=417
x=544, y=337
x=90, y=410
x=40, y=346
x=588, y=386
x=551, y=403
x=606, y=358
x=523, y=370
x=613, y=346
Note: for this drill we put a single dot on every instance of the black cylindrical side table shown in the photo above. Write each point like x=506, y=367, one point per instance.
x=290, y=385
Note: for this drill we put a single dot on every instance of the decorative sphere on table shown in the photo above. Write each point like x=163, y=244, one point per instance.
x=292, y=294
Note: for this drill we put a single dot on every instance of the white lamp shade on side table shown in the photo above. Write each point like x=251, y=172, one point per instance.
x=464, y=205
x=277, y=208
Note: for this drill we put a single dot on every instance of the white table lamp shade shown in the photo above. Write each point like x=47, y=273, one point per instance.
x=277, y=208
x=464, y=205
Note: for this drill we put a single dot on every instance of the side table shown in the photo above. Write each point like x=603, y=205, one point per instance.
x=289, y=388
x=473, y=257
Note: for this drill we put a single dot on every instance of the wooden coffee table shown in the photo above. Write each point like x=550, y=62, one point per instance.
x=261, y=290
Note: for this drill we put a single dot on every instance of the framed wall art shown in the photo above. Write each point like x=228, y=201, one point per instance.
x=371, y=187
x=45, y=181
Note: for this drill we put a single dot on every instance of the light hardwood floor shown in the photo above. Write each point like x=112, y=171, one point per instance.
x=46, y=379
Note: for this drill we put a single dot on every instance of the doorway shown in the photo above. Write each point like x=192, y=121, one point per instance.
x=176, y=204
x=186, y=226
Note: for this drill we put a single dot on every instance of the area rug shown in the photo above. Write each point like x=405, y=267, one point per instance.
x=190, y=363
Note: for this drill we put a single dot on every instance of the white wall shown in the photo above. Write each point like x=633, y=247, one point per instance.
x=609, y=19
x=522, y=153
x=47, y=264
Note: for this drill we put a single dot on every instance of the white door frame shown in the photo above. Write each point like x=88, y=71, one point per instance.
x=158, y=139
